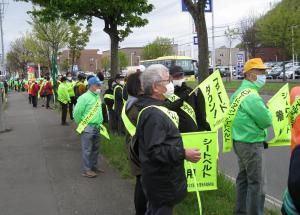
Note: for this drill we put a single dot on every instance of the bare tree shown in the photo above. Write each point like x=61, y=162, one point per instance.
x=249, y=34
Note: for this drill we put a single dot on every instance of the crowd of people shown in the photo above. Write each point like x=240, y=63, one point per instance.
x=151, y=108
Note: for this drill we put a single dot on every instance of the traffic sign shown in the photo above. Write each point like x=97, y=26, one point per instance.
x=208, y=6
x=195, y=40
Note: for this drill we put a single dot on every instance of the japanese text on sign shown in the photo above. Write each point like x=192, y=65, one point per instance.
x=216, y=99
x=279, y=106
x=205, y=170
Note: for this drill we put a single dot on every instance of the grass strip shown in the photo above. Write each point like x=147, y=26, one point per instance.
x=221, y=201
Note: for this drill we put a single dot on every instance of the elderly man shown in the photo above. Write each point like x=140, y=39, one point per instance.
x=249, y=134
x=161, y=151
x=88, y=117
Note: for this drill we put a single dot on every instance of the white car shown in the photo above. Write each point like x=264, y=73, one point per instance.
x=294, y=70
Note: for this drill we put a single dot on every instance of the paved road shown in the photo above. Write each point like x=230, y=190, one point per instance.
x=277, y=165
x=40, y=169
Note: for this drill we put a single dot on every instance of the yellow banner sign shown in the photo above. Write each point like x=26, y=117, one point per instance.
x=216, y=100
x=202, y=176
x=227, y=127
x=279, y=106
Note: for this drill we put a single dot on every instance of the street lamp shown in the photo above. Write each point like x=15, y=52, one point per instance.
x=131, y=54
x=139, y=57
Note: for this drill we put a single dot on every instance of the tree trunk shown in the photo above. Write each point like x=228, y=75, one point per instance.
x=202, y=47
x=198, y=14
x=114, y=60
x=112, y=30
x=72, y=62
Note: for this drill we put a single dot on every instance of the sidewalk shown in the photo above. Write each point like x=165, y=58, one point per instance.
x=40, y=163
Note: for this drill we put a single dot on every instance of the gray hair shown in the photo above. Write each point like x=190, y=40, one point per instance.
x=152, y=75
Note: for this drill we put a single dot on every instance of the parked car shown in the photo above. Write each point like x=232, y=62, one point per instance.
x=290, y=72
x=274, y=72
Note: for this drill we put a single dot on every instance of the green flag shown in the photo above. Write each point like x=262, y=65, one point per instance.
x=279, y=106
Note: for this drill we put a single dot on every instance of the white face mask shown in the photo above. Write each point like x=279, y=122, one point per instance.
x=122, y=82
x=170, y=90
x=69, y=78
x=260, y=81
x=178, y=82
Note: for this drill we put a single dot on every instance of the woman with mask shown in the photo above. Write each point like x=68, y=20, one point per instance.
x=190, y=108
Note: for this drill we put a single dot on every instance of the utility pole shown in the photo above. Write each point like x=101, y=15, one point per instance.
x=293, y=42
x=2, y=6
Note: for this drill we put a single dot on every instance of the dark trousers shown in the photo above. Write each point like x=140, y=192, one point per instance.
x=113, y=125
x=162, y=210
x=34, y=101
x=71, y=104
x=29, y=98
x=140, y=200
x=48, y=101
x=121, y=127
x=64, y=111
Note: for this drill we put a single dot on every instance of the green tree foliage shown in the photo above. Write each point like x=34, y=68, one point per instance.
x=119, y=16
x=18, y=56
x=123, y=60
x=39, y=50
x=53, y=34
x=78, y=38
x=275, y=28
x=159, y=47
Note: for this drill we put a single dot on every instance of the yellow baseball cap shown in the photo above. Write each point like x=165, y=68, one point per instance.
x=255, y=63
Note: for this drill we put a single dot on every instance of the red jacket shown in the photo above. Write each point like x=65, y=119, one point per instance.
x=48, y=88
x=35, y=89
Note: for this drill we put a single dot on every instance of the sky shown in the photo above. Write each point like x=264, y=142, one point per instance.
x=166, y=20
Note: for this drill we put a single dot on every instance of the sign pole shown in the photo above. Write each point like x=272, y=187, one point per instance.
x=213, y=53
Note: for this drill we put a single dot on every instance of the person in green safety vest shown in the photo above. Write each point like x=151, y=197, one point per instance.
x=190, y=108
x=118, y=103
x=64, y=99
x=160, y=145
x=88, y=116
x=70, y=85
x=249, y=133
x=109, y=102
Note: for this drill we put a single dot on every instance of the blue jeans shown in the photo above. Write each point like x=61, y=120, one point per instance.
x=251, y=180
x=90, y=141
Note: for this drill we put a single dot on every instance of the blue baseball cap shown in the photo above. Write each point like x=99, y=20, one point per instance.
x=94, y=81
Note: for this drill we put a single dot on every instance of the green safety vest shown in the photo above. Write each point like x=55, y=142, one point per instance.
x=130, y=127
x=230, y=115
x=118, y=86
x=82, y=125
x=171, y=114
x=109, y=96
x=295, y=111
x=186, y=107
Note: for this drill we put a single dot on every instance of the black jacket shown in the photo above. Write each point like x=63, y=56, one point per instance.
x=109, y=102
x=197, y=102
x=162, y=155
x=118, y=99
x=294, y=177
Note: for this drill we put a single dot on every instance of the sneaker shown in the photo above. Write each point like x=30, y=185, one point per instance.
x=65, y=123
x=95, y=169
x=89, y=174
